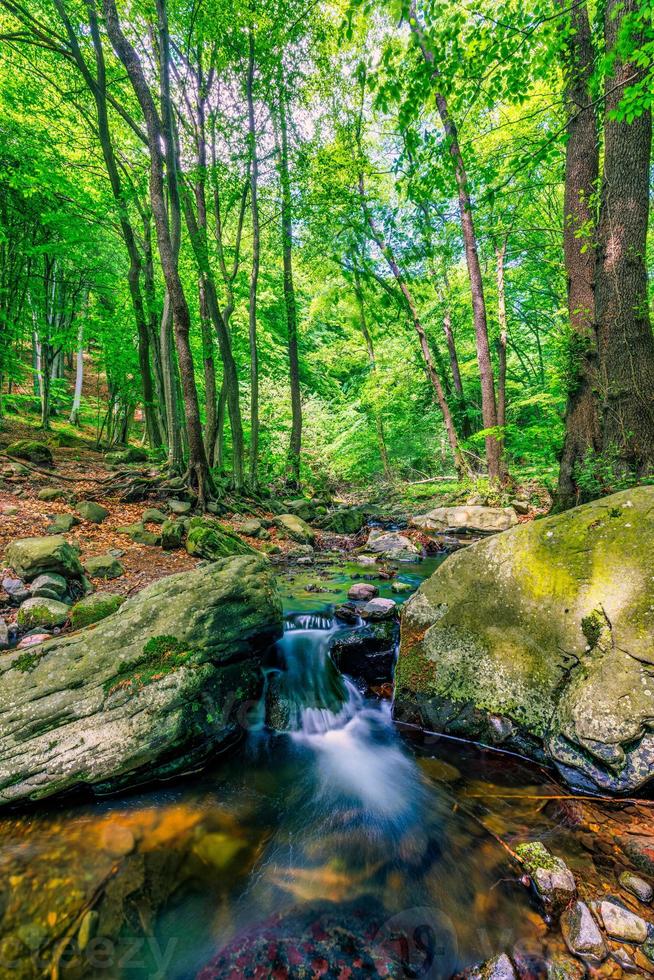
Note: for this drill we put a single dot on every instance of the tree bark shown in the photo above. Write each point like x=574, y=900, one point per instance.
x=500, y=254
x=626, y=343
x=160, y=133
x=210, y=424
x=295, y=444
x=488, y=403
x=79, y=370
x=582, y=420
x=367, y=337
x=254, y=274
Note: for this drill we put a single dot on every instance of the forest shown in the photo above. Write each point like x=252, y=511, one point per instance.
x=335, y=244
x=326, y=490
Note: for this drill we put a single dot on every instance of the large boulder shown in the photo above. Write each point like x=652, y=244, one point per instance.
x=209, y=539
x=31, y=557
x=391, y=544
x=294, y=527
x=541, y=639
x=151, y=691
x=31, y=450
x=484, y=520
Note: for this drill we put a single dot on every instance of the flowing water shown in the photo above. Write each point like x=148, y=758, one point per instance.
x=330, y=848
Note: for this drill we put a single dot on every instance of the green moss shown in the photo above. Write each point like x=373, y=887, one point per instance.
x=26, y=662
x=535, y=855
x=161, y=656
x=592, y=626
x=94, y=608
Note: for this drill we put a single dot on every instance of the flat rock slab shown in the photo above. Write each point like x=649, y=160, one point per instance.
x=475, y=518
x=146, y=693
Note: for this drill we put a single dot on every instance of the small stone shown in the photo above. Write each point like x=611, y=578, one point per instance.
x=12, y=585
x=365, y=560
x=50, y=581
x=582, y=934
x=305, y=560
x=362, y=591
x=117, y=840
x=4, y=635
x=499, y=968
x=401, y=587
x=42, y=612
x=91, y=511
x=179, y=507
x=88, y=928
x=9, y=510
x=33, y=639
x=62, y=523
x=153, y=516
x=347, y=613
x=641, y=889
x=562, y=967
x=252, y=528
x=622, y=957
x=103, y=566
x=139, y=534
x=520, y=506
x=379, y=609
x=50, y=493
x=551, y=877
x=620, y=923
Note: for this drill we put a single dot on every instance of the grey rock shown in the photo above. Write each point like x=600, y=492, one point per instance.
x=392, y=544
x=12, y=585
x=378, y=609
x=51, y=581
x=637, y=886
x=551, y=877
x=362, y=591
x=295, y=528
x=152, y=515
x=179, y=507
x=582, y=934
x=139, y=534
x=620, y=923
x=4, y=634
x=108, y=707
x=466, y=518
x=50, y=493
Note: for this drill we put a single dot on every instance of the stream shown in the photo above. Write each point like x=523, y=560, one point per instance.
x=338, y=847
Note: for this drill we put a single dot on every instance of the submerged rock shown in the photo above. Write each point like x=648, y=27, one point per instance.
x=539, y=639
x=31, y=557
x=582, y=934
x=149, y=692
x=367, y=654
x=488, y=520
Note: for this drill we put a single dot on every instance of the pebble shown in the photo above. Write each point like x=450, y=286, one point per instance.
x=641, y=889
x=622, y=924
x=32, y=640
x=12, y=585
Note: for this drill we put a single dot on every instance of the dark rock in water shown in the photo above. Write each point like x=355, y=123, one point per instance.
x=347, y=612
x=330, y=941
x=552, y=879
x=31, y=450
x=149, y=692
x=367, y=654
x=546, y=627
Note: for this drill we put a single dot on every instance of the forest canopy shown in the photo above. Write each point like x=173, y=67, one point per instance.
x=333, y=242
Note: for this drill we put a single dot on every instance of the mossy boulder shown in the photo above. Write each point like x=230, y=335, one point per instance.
x=152, y=515
x=103, y=566
x=540, y=639
x=133, y=454
x=468, y=517
x=172, y=535
x=93, y=608
x=346, y=520
x=140, y=534
x=91, y=511
x=209, y=539
x=42, y=611
x=62, y=523
x=31, y=450
x=296, y=528
x=50, y=493
x=151, y=691
x=31, y=557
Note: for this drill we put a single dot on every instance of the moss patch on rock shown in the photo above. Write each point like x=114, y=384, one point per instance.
x=93, y=608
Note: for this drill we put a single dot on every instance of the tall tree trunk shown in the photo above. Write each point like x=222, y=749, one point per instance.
x=582, y=420
x=219, y=452
x=295, y=445
x=367, y=337
x=500, y=254
x=254, y=275
x=161, y=134
x=488, y=403
x=626, y=343
x=79, y=374
x=432, y=373
x=209, y=377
